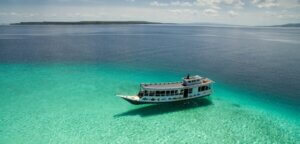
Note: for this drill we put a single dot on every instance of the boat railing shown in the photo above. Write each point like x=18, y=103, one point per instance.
x=161, y=83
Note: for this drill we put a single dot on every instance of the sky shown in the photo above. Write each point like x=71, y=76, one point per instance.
x=237, y=12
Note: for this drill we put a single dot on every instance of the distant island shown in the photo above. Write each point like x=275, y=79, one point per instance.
x=137, y=22
x=84, y=23
x=287, y=25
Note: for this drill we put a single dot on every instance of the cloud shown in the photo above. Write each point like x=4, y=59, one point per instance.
x=158, y=4
x=216, y=4
x=182, y=4
x=173, y=3
x=289, y=3
x=210, y=12
x=238, y=4
x=210, y=3
x=18, y=14
x=185, y=11
x=232, y=13
x=265, y=3
x=281, y=15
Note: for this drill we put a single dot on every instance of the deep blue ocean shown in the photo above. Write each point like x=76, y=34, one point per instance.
x=74, y=71
x=257, y=58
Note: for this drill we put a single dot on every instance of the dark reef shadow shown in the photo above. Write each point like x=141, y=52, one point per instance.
x=236, y=105
x=157, y=109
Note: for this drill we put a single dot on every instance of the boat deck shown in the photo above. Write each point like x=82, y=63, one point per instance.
x=171, y=85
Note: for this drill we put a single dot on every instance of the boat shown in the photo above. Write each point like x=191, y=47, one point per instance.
x=190, y=87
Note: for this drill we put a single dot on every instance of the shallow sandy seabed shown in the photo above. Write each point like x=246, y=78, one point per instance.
x=75, y=104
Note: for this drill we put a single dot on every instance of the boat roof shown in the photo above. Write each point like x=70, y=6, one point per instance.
x=195, y=77
x=173, y=85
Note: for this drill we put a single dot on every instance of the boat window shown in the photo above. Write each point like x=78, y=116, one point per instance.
x=167, y=93
x=202, y=88
x=206, y=87
x=140, y=94
x=176, y=92
x=162, y=93
x=157, y=93
x=146, y=93
x=151, y=93
x=190, y=90
x=172, y=92
x=181, y=91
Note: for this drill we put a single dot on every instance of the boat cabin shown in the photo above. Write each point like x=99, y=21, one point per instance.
x=191, y=86
x=192, y=80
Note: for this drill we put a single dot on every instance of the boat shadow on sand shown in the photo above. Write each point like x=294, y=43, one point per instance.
x=157, y=109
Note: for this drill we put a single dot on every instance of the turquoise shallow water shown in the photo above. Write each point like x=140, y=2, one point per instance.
x=76, y=103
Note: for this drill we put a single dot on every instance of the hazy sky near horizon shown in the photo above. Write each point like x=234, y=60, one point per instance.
x=240, y=12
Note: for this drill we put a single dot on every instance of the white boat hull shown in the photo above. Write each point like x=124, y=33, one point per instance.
x=137, y=100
